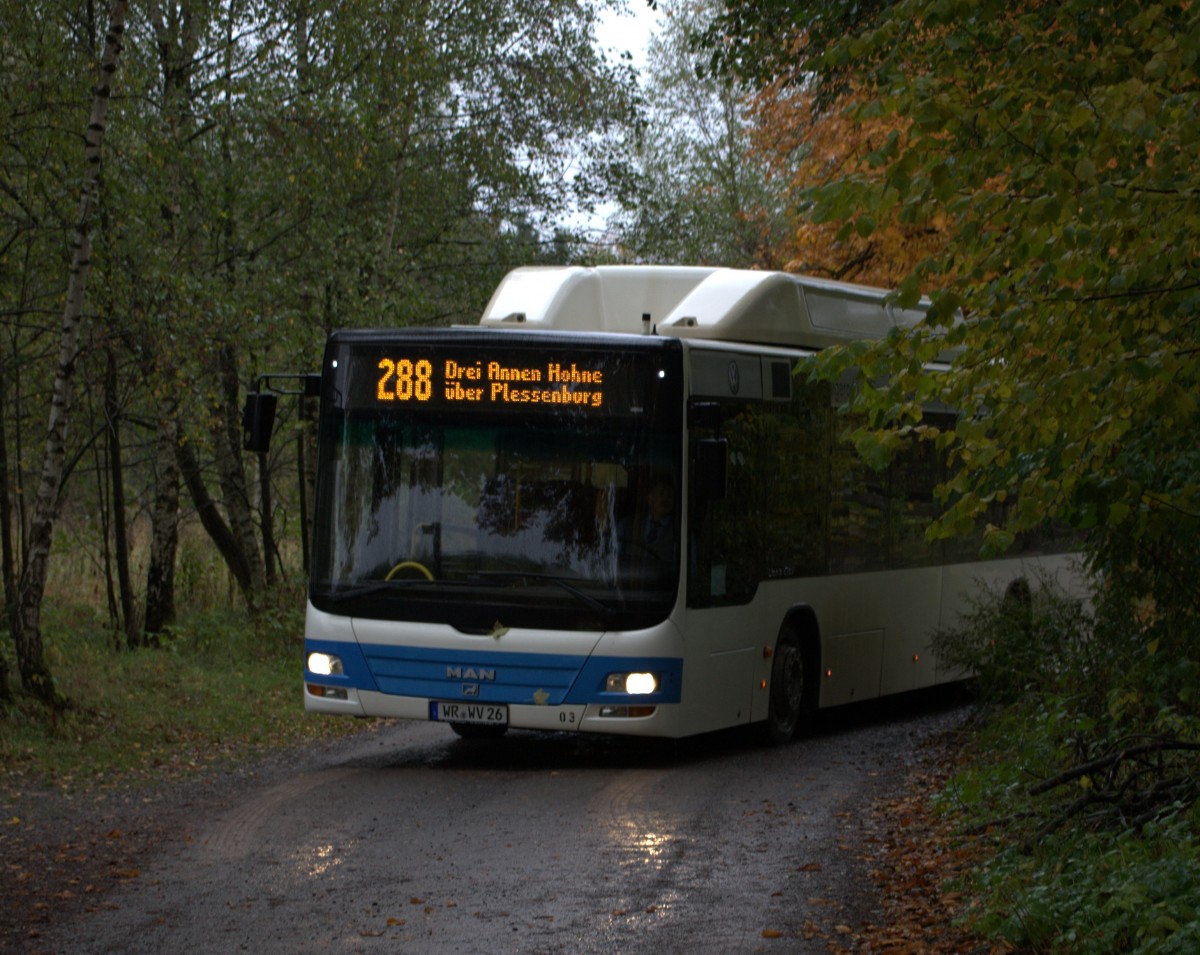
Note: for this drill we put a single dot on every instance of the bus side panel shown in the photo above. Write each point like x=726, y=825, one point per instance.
x=851, y=667
x=875, y=629
x=853, y=618
x=911, y=601
x=724, y=647
x=730, y=648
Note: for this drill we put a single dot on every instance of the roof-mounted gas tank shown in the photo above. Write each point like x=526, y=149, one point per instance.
x=736, y=305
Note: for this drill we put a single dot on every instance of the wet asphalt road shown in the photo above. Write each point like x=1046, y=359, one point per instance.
x=407, y=839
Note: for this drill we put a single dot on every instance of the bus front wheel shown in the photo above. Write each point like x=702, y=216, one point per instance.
x=790, y=702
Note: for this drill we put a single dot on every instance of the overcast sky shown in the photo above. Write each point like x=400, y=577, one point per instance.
x=630, y=31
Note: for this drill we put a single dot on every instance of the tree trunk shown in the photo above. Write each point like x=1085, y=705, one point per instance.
x=306, y=475
x=120, y=529
x=267, y=519
x=101, y=451
x=214, y=523
x=227, y=436
x=164, y=530
x=8, y=573
x=31, y=662
x=231, y=472
x=176, y=39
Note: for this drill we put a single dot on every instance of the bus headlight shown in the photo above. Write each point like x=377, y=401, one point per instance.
x=324, y=664
x=637, y=684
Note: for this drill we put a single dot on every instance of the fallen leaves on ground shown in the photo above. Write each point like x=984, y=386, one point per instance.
x=54, y=872
x=918, y=858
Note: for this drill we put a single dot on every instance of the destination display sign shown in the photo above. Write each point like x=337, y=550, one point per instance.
x=516, y=380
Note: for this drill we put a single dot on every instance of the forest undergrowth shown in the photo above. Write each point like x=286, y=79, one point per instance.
x=1079, y=788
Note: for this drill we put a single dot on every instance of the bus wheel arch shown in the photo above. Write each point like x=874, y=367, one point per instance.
x=795, y=683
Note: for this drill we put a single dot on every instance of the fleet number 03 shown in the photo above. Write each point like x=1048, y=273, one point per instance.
x=405, y=380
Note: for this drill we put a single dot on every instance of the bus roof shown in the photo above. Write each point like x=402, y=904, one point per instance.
x=736, y=305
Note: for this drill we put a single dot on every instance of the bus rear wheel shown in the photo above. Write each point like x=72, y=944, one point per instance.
x=789, y=704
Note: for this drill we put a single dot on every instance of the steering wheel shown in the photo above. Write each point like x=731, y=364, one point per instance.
x=409, y=565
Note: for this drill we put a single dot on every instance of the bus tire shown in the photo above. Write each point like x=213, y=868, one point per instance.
x=478, y=730
x=792, y=699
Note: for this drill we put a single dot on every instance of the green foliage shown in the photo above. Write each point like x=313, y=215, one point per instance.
x=763, y=39
x=1071, y=889
x=1089, y=893
x=1055, y=145
x=1097, y=677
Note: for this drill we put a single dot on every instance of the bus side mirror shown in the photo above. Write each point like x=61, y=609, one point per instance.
x=258, y=418
x=712, y=468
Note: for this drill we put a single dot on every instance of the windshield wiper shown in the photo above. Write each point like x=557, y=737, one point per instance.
x=559, y=581
x=373, y=587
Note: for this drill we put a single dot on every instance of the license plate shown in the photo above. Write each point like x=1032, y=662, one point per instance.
x=492, y=714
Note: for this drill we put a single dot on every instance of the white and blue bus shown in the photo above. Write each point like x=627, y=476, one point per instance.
x=618, y=505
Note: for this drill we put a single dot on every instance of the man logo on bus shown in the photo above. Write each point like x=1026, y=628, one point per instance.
x=470, y=673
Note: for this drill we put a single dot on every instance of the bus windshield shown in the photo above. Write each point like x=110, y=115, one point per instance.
x=494, y=513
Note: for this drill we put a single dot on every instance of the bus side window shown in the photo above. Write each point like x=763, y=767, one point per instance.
x=858, y=501
x=914, y=475
x=771, y=522
x=711, y=480
x=796, y=495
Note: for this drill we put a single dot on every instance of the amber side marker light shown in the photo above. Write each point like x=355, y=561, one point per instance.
x=625, y=712
x=327, y=692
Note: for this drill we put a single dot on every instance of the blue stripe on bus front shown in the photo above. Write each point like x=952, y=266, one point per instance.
x=493, y=676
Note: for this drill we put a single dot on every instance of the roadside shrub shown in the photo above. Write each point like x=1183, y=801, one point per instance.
x=1111, y=670
x=1097, y=892
x=274, y=631
x=1024, y=641
x=1085, y=775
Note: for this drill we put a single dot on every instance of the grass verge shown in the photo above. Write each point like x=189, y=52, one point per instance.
x=218, y=688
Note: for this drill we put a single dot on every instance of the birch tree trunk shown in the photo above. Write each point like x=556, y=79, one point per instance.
x=31, y=662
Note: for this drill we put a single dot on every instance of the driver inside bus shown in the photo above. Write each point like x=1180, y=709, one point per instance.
x=647, y=538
